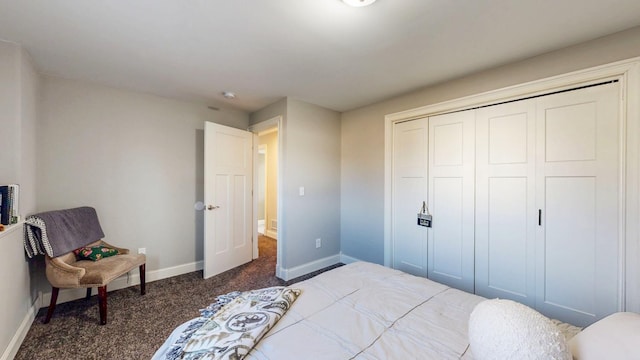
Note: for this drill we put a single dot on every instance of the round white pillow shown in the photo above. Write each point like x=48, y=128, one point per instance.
x=504, y=329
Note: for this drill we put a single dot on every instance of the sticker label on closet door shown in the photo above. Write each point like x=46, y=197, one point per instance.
x=425, y=219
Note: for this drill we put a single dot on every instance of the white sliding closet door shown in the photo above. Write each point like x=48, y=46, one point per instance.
x=409, y=191
x=506, y=216
x=578, y=191
x=451, y=199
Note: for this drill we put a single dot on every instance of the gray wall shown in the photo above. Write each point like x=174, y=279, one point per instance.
x=136, y=158
x=362, y=195
x=311, y=159
x=278, y=108
x=9, y=111
x=19, y=85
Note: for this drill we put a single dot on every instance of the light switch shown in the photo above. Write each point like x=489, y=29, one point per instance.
x=301, y=190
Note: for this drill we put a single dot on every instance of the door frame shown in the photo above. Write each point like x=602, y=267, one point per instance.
x=275, y=122
x=627, y=72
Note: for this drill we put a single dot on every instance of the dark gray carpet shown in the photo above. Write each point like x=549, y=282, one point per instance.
x=137, y=325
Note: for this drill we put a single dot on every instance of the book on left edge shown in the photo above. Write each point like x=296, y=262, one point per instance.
x=14, y=203
x=4, y=211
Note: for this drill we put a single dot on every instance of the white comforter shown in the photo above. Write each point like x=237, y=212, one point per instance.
x=367, y=311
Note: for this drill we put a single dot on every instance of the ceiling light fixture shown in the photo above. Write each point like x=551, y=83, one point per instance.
x=358, y=3
x=228, y=95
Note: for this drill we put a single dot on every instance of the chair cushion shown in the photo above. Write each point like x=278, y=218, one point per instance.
x=99, y=273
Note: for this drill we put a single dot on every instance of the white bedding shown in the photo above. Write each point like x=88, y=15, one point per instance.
x=367, y=311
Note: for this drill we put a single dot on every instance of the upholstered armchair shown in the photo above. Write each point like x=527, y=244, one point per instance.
x=66, y=272
x=59, y=235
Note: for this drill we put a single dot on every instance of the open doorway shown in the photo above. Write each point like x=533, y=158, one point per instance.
x=267, y=202
x=261, y=188
x=267, y=168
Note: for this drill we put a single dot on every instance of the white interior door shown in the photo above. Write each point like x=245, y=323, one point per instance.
x=410, y=155
x=451, y=199
x=506, y=215
x=228, y=196
x=578, y=194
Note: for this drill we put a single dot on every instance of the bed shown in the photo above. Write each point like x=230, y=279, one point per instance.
x=367, y=311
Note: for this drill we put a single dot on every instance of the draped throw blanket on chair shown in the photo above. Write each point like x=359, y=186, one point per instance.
x=55, y=233
x=58, y=234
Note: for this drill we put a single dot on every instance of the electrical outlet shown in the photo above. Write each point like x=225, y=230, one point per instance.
x=318, y=243
x=142, y=250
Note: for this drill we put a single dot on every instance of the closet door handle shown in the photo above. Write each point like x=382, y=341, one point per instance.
x=539, y=217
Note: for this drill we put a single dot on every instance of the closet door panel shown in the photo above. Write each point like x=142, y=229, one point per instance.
x=451, y=199
x=578, y=192
x=448, y=142
x=507, y=235
x=570, y=133
x=505, y=201
x=410, y=158
x=447, y=199
x=507, y=134
x=571, y=243
x=411, y=240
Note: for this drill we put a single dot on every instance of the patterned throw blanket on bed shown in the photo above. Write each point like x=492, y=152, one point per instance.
x=230, y=327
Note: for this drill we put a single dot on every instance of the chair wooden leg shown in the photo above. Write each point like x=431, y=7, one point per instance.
x=102, y=303
x=88, y=293
x=143, y=288
x=52, y=304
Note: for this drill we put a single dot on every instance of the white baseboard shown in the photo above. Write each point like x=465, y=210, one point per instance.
x=292, y=273
x=346, y=259
x=271, y=233
x=132, y=279
x=14, y=345
x=288, y=274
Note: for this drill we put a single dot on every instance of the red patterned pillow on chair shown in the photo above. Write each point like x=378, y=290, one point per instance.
x=94, y=253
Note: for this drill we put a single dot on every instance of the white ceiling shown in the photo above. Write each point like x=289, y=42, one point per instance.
x=319, y=51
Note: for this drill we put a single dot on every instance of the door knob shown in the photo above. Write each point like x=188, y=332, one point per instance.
x=200, y=206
